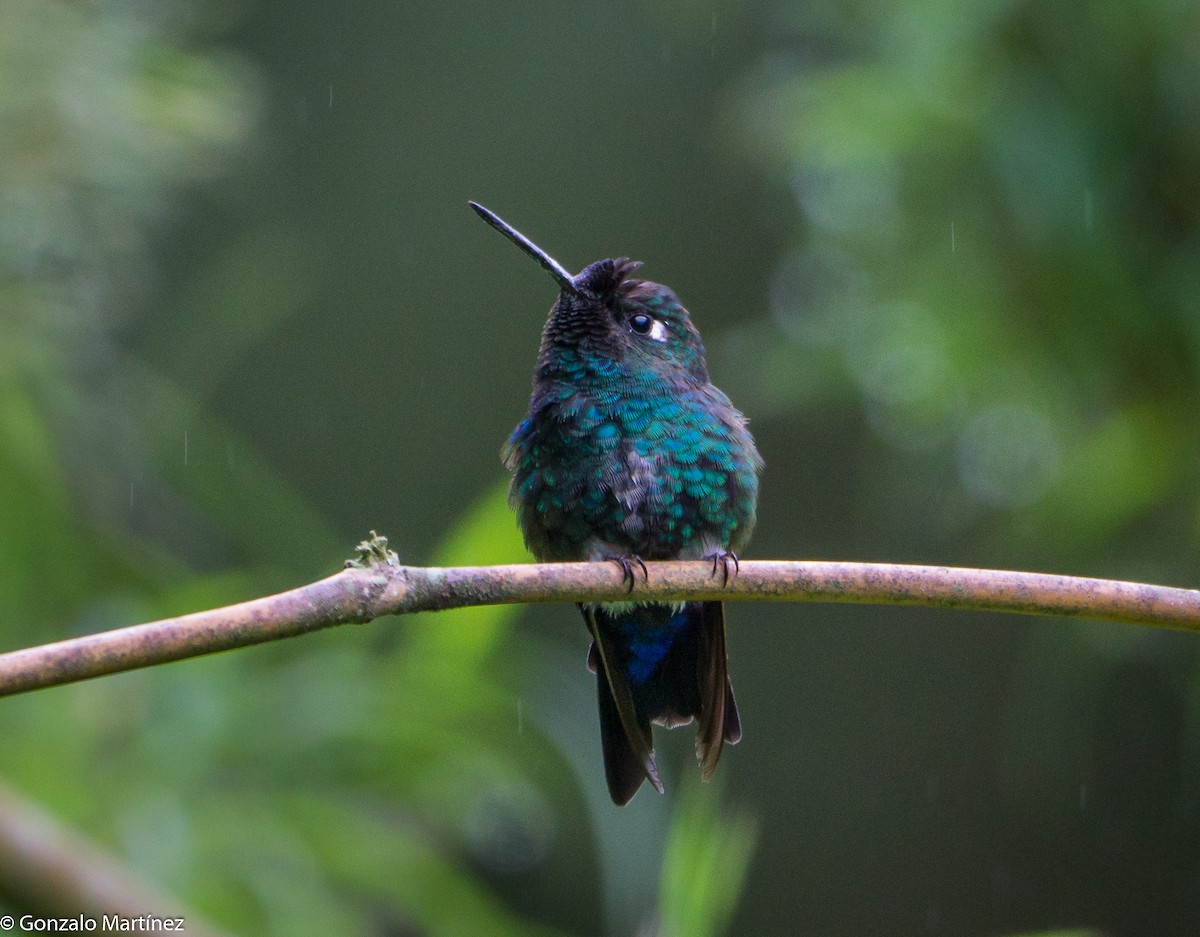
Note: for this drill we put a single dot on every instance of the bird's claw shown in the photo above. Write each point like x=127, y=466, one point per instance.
x=628, y=576
x=722, y=558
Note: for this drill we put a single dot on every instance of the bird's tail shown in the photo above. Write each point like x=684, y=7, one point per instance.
x=663, y=664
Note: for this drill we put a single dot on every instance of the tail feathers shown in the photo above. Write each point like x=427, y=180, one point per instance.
x=627, y=763
x=625, y=736
x=656, y=663
x=718, y=713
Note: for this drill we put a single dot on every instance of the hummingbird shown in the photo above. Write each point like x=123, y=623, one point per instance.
x=629, y=453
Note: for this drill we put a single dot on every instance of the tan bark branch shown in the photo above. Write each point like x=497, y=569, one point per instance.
x=376, y=584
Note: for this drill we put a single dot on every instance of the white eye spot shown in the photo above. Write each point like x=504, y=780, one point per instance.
x=658, y=331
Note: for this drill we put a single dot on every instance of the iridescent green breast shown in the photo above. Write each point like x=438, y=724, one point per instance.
x=639, y=466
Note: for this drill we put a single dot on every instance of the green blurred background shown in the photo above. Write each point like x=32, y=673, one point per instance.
x=945, y=256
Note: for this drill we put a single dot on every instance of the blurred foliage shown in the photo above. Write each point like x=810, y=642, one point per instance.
x=294, y=792
x=705, y=863
x=998, y=255
x=944, y=254
x=993, y=267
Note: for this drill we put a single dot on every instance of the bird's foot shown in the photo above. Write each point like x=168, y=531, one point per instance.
x=627, y=564
x=723, y=558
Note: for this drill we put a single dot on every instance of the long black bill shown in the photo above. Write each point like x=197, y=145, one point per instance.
x=552, y=266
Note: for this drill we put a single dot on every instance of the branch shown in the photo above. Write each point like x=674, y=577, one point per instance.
x=51, y=870
x=376, y=584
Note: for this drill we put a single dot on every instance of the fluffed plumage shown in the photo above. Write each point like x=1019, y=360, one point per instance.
x=630, y=452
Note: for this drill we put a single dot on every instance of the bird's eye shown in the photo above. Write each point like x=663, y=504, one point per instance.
x=641, y=323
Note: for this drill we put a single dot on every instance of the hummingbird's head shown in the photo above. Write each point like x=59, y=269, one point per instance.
x=606, y=312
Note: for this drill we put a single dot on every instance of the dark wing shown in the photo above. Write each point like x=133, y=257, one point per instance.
x=624, y=734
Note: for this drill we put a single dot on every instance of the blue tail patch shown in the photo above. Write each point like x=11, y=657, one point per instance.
x=648, y=631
